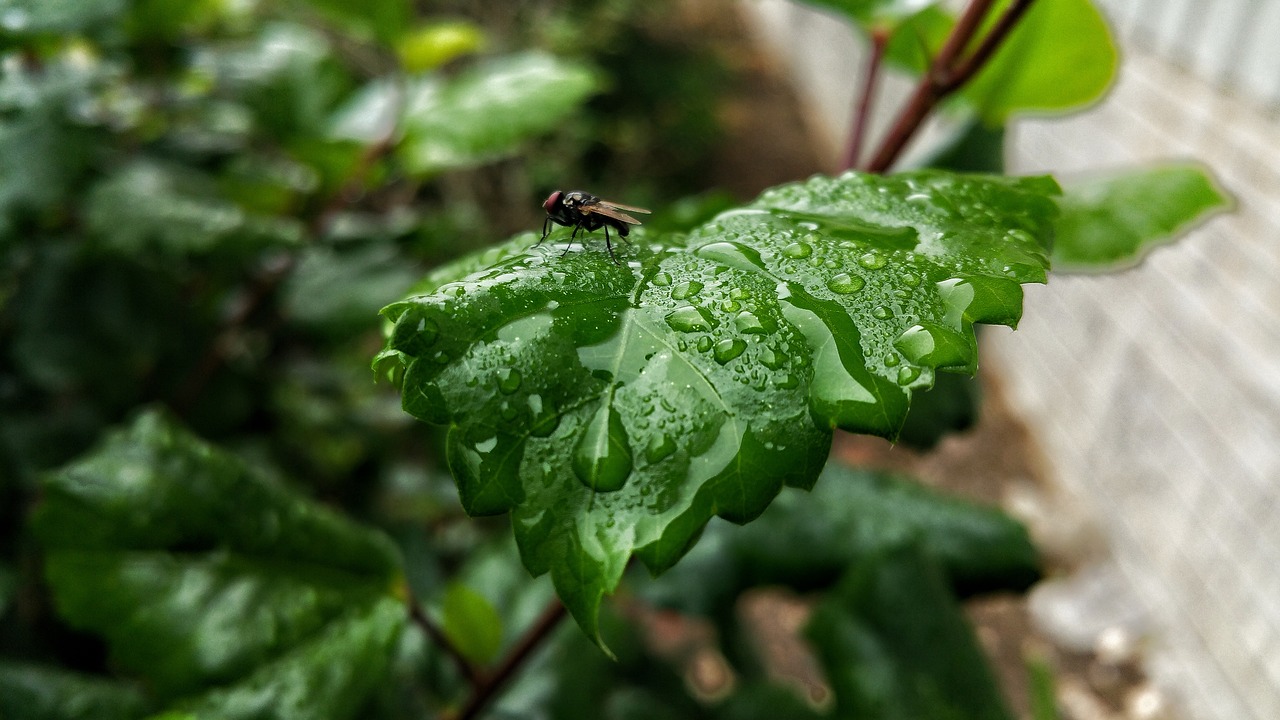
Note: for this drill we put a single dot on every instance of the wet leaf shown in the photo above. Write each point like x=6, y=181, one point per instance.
x=482, y=114
x=1115, y=220
x=614, y=409
x=215, y=584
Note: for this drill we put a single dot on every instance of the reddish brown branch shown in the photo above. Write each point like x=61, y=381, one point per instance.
x=857, y=136
x=947, y=73
x=486, y=690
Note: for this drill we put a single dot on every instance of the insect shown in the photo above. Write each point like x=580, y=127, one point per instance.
x=584, y=211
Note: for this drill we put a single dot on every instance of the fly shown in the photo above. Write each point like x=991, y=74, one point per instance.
x=584, y=211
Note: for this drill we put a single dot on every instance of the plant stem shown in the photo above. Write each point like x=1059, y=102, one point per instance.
x=857, y=136
x=433, y=631
x=947, y=73
x=486, y=690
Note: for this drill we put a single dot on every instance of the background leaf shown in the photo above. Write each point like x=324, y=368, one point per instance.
x=615, y=409
x=199, y=573
x=37, y=692
x=896, y=646
x=482, y=114
x=1114, y=220
x=471, y=623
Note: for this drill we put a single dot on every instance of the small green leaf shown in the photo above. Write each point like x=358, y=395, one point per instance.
x=471, y=623
x=1060, y=57
x=433, y=45
x=613, y=409
x=1116, y=219
x=481, y=115
x=35, y=692
x=201, y=574
x=895, y=645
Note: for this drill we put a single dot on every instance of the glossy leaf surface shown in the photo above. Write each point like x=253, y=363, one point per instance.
x=806, y=541
x=1116, y=219
x=895, y=645
x=613, y=409
x=482, y=114
x=215, y=584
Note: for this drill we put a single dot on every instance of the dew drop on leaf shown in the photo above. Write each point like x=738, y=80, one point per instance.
x=881, y=312
x=845, y=284
x=872, y=260
x=748, y=323
x=509, y=380
x=907, y=374
x=660, y=446
x=602, y=459
x=688, y=319
x=704, y=343
x=798, y=250
x=686, y=290
x=662, y=279
x=728, y=349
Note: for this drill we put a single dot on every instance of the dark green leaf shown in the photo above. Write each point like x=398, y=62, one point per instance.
x=200, y=573
x=895, y=645
x=1116, y=219
x=35, y=692
x=613, y=409
x=1059, y=58
x=483, y=114
x=950, y=406
x=339, y=290
x=974, y=147
x=806, y=541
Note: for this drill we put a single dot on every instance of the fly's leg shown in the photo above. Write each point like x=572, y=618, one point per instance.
x=546, y=230
x=572, y=237
x=609, y=246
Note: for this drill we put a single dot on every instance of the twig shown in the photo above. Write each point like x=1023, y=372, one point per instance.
x=434, y=631
x=948, y=73
x=487, y=689
x=879, y=40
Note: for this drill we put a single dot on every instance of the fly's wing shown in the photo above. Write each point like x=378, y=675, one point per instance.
x=613, y=210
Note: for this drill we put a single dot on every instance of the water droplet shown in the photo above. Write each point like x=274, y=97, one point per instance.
x=728, y=349
x=788, y=381
x=602, y=459
x=737, y=293
x=704, y=343
x=910, y=279
x=845, y=284
x=509, y=380
x=748, y=323
x=662, y=279
x=798, y=250
x=686, y=290
x=891, y=360
x=872, y=260
x=508, y=411
x=730, y=306
x=545, y=418
x=688, y=319
x=414, y=333
x=881, y=312
x=660, y=447
x=772, y=359
x=907, y=374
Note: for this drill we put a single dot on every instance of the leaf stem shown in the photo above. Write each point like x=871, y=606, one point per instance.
x=487, y=689
x=947, y=73
x=436, y=633
x=857, y=136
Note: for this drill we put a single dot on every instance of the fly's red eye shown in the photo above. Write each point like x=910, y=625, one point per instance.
x=551, y=201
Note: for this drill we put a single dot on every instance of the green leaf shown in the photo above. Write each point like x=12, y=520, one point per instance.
x=471, y=623
x=481, y=115
x=339, y=289
x=1114, y=220
x=58, y=16
x=433, y=45
x=613, y=409
x=807, y=541
x=896, y=646
x=36, y=692
x=384, y=20
x=156, y=206
x=199, y=574
x=1059, y=58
